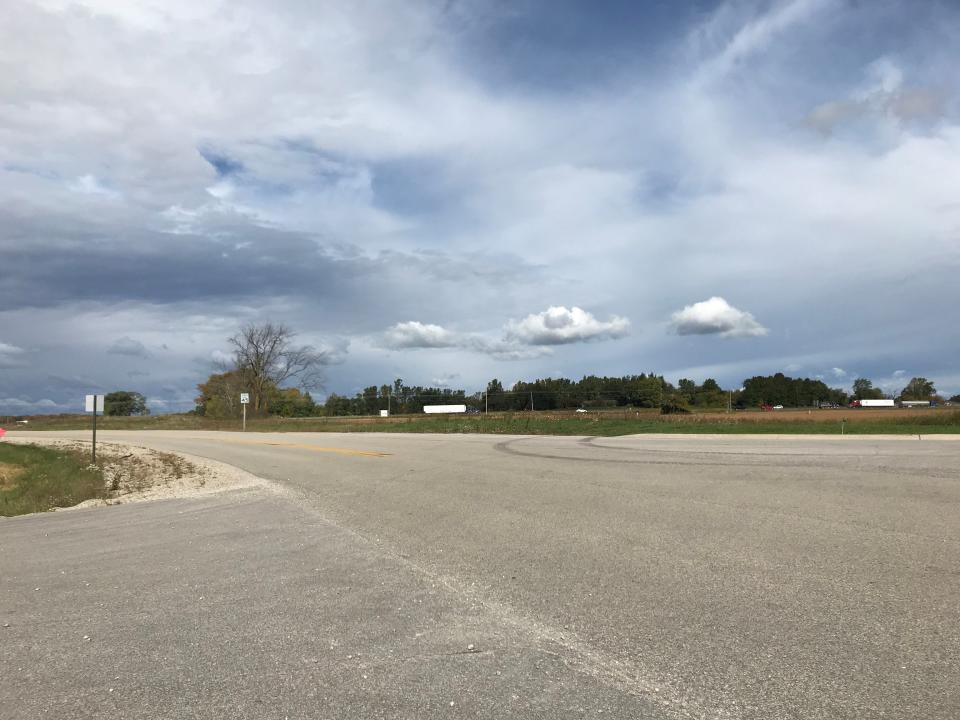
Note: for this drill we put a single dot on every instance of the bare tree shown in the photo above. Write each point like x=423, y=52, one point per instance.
x=266, y=353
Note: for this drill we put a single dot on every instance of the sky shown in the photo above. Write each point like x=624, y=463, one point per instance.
x=453, y=191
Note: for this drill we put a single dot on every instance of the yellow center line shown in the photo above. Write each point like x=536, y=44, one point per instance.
x=314, y=448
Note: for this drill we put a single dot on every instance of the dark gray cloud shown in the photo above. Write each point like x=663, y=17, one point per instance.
x=11, y=355
x=128, y=346
x=159, y=267
x=240, y=265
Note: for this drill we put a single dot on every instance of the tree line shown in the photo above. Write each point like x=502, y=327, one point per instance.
x=278, y=374
x=646, y=390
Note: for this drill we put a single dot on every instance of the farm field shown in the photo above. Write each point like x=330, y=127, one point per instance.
x=601, y=423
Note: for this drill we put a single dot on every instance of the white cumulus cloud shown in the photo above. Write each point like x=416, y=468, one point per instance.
x=716, y=317
x=414, y=334
x=558, y=325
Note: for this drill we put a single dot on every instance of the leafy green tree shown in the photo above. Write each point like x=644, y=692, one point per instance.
x=291, y=402
x=779, y=389
x=125, y=402
x=371, y=401
x=710, y=385
x=955, y=399
x=220, y=395
x=687, y=389
x=919, y=388
x=495, y=398
x=710, y=394
x=863, y=389
x=338, y=405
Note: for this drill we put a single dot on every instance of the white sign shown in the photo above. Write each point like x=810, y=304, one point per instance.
x=244, y=398
x=90, y=400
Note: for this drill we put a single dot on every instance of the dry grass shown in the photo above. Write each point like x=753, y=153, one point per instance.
x=10, y=475
x=139, y=470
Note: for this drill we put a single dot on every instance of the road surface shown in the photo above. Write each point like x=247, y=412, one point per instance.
x=422, y=576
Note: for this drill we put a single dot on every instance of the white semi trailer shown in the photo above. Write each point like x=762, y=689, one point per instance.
x=439, y=409
x=876, y=403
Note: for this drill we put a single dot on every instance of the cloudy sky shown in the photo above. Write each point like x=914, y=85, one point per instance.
x=455, y=190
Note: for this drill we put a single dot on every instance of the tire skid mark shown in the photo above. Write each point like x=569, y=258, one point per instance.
x=712, y=459
x=771, y=511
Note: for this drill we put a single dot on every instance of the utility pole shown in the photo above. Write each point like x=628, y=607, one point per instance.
x=531, y=401
x=486, y=402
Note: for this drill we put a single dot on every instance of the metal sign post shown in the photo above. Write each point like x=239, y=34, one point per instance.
x=94, y=403
x=244, y=401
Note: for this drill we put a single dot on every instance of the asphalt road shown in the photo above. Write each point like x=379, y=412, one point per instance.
x=638, y=577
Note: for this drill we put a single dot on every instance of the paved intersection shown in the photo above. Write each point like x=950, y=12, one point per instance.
x=655, y=577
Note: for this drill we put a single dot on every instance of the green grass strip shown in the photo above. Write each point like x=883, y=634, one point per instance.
x=627, y=422
x=36, y=479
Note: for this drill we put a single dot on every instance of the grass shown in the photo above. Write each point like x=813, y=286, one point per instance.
x=620, y=423
x=36, y=479
x=184, y=421
x=602, y=423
